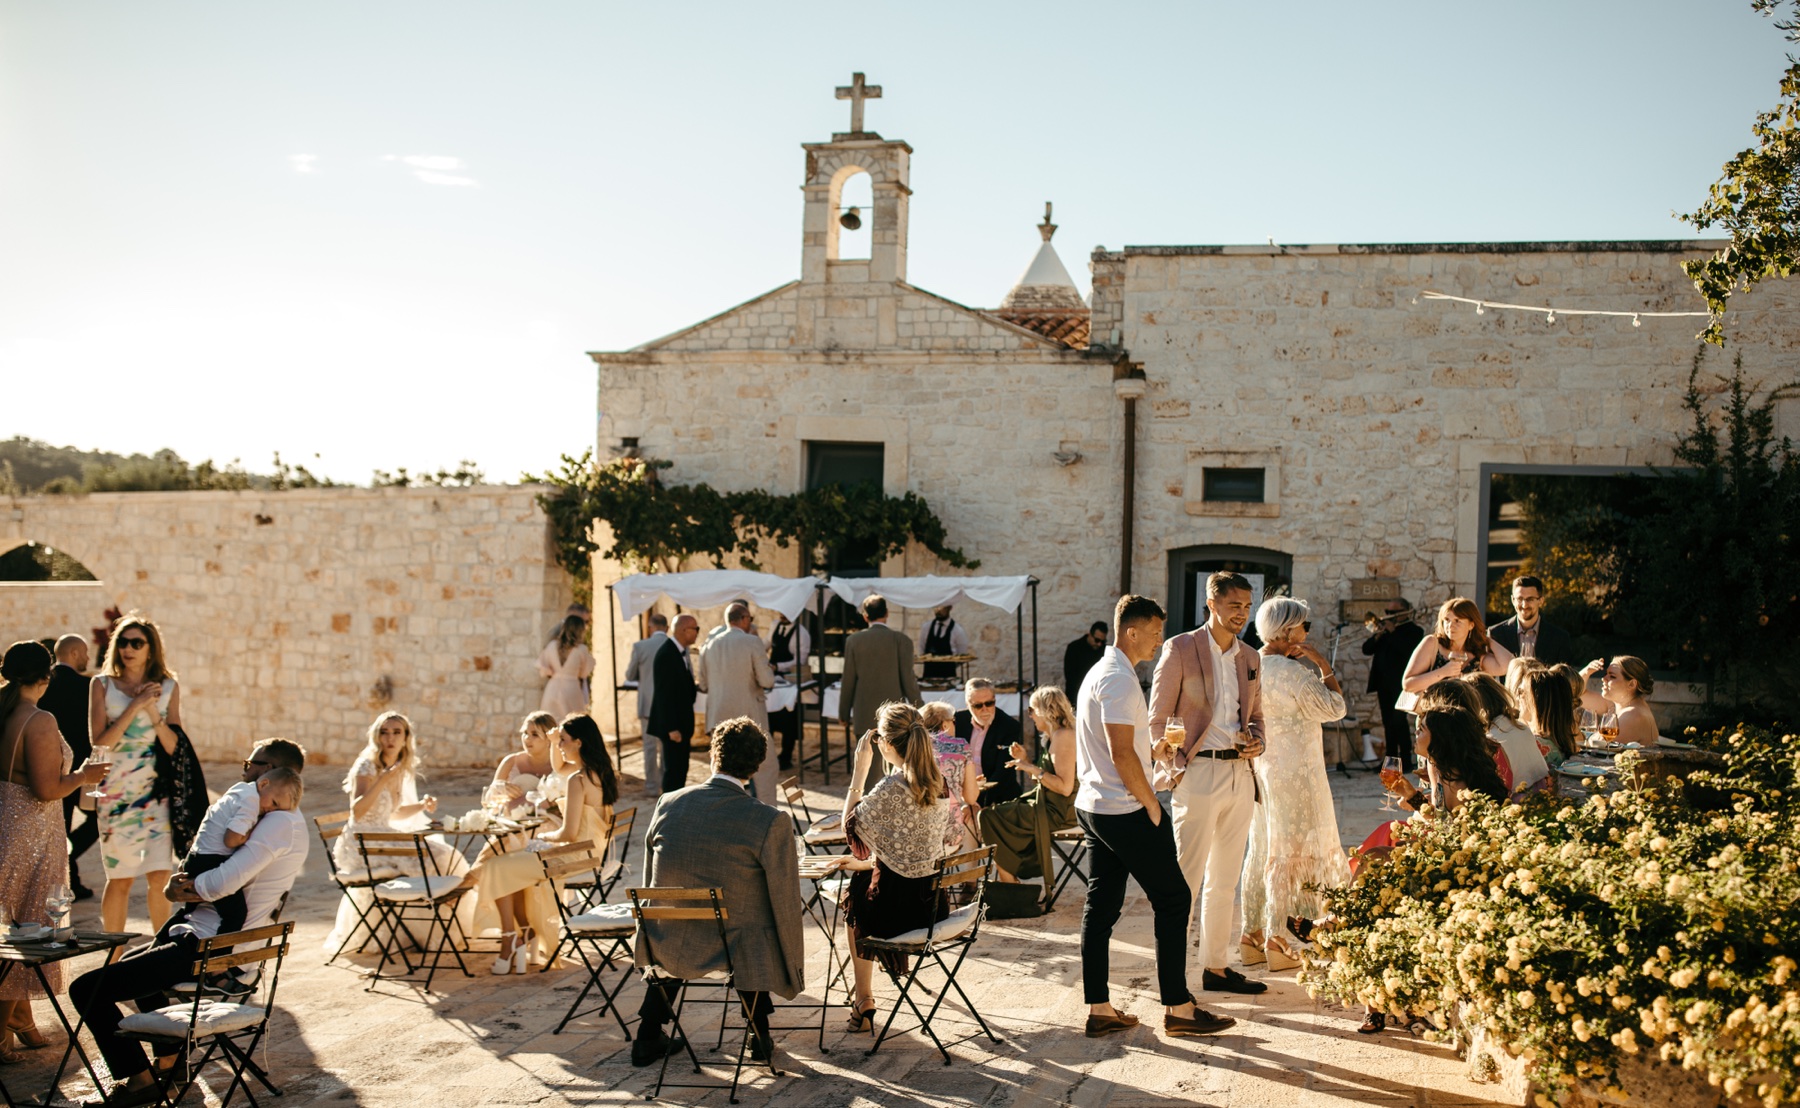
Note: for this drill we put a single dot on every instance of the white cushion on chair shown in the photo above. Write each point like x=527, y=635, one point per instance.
x=956, y=923
x=604, y=919
x=216, y=1016
x=416, y=888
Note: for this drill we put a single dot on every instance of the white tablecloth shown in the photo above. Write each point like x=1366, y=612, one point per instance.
x=1009, y=701
x=780, y=699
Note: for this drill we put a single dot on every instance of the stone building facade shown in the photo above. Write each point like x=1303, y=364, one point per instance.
x=1367, y=419
x=304, y=613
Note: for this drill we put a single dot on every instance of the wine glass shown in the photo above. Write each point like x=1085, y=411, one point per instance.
x=100, y=756
x=57, y=902
x=1388, y=765
x=1609, y=726
x=535, y=798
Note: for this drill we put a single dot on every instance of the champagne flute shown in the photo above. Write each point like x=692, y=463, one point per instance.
x=100, y=756
x=1174, y=735
x=1388, y=765
x=535, y=798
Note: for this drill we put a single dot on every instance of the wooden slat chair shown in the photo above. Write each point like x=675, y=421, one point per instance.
x=600, y=935
x=957, y=932
x=1070, y=845
x=594, y=887
x=330, y=827
x=798, y=810
x=695, y=905
x=230, y=1030
x=430, y=898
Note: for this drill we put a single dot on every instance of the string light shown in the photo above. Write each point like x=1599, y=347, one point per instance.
x=1550, y=314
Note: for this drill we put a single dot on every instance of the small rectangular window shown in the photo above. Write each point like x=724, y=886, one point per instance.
x=1244, y=486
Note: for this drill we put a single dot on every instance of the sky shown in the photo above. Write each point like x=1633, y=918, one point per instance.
x=379, y=235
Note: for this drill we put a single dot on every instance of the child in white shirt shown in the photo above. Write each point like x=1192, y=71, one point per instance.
x=227, y=823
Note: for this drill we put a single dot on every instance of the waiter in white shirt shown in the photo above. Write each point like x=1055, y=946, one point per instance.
x=942, y=635
x=264, y=868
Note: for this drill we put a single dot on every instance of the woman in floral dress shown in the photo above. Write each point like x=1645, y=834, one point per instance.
x=133, y=707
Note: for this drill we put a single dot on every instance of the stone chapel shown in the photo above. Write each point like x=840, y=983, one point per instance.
x=1296, y=412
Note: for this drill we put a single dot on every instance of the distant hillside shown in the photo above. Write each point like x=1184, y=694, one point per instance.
x=29, y=467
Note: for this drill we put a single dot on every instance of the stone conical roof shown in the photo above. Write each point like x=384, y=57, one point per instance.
x=1046, y=300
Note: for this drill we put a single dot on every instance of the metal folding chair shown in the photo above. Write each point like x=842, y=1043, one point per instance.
x=429, y=898
x=600, y=936
x=594, y=887
x=695, y=906
x=230, y=1030
x=330, y=827
x=957, y=932
x=1070, y=845
x=798, y=810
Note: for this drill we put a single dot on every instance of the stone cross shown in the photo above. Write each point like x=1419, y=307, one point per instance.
x=856, y=93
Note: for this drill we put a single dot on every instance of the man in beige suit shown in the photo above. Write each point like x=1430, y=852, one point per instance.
x=1207, y=679
x=878, y=667
x=734, y=674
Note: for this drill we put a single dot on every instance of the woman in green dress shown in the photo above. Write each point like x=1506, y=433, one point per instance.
x=1019, y=830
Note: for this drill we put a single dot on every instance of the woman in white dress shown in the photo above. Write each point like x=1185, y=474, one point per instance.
x=384, y=796
x=133, y=706
x=1293, y=834
x=567, y=663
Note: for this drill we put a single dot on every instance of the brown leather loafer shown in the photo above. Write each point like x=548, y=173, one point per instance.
x=1106, y=1025
x=1203, y=1023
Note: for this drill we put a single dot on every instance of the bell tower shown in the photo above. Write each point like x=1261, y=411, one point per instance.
x=828, y=166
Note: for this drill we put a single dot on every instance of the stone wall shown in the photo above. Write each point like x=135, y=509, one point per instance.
x=305, y=613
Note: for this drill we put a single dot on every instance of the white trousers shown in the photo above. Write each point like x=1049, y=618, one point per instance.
x=1212, y=806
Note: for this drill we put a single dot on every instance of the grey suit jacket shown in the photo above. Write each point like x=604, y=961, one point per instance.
x=734, y=674
x=878, y=667
x=716, y=836
x=642, y=669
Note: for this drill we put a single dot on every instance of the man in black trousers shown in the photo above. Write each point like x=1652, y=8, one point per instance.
x=1390, y=647
x=67, y=700
x=672, y=702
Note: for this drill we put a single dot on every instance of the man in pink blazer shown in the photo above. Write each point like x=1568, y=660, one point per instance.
x=1208, y=679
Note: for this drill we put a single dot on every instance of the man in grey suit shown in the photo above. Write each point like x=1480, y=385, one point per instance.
x=642, y=669
x=715, y=836
x=878, y=667
x=734, y=674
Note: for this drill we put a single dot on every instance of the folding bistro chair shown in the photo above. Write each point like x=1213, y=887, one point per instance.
x=1070, y=845
x=429, y=898
x=696, y=905
x=599, y=935
x=230, y=1030
x=957, y=932
x=330, y=827
x=798, y=810
x=594, y=887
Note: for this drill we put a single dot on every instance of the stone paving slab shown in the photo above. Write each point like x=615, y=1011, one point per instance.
x=486, y=1040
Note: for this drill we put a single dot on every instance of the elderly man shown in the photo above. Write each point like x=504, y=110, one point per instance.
x=671, y=721
x=264, y=868
x=734, y=674
x=715, y=836
x=878, y=667
x=641, y=668
x=1207, y=679
x=991, y=733
x=67, y=700
x=942, y=635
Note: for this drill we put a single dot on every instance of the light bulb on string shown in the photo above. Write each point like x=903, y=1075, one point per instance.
x=1480, y=308
x=1551, y=318
x=1635, y=321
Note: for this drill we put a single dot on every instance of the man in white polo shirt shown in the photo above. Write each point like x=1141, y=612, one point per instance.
x=1128, y=834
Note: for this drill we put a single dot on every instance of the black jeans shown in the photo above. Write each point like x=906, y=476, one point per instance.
x=81, y=837
x=1398, y=727
x=141, y=977
x=656, y=1008
x=1124, y=846
x=675, y=763
x=787, y=725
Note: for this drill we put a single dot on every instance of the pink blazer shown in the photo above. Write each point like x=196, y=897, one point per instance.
x=1183, y=686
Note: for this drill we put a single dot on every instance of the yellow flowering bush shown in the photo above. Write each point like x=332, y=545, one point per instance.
x=1662, y=920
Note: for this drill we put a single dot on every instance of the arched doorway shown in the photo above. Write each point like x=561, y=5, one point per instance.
x=1190, y=565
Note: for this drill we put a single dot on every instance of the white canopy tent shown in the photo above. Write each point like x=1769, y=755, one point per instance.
x=1005, y=593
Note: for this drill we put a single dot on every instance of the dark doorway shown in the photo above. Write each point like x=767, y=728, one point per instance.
x=1189, y=567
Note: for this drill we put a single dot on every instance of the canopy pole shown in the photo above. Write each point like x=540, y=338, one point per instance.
x=612, y=661
x=1034, y=634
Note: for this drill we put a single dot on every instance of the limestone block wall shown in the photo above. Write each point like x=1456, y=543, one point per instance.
x=305, y=613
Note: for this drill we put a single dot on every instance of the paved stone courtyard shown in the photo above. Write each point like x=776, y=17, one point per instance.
x=486, y=1040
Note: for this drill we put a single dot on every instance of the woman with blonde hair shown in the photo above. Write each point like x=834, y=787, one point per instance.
x=896, y=836
x=1019, y=830
x=134, y=705
x=566, y=663
x=1624, y=684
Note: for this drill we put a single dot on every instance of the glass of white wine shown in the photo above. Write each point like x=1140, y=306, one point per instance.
x=100, y=756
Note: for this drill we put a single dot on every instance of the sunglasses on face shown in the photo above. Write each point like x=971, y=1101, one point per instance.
x=976, y=706
x=248, y=762
x=1306, y=625
x=134, y=644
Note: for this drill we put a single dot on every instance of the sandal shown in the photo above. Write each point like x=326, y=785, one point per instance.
x=1373, y=1024
x=860, y=1022
x=30, y=1038
x=1301, y=927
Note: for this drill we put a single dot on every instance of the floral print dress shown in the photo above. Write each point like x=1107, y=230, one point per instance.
x=134, y=823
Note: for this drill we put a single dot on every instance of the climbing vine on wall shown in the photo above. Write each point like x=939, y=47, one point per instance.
x=657, y=526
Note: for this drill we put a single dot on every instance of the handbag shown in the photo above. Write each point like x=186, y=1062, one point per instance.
x=1012, y=900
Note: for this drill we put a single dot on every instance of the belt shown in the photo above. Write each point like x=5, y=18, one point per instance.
x=1222, y=755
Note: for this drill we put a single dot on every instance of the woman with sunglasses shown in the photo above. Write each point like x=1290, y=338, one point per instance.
x=133, y=707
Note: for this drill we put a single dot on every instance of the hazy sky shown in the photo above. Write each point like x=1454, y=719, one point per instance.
x=387, y=233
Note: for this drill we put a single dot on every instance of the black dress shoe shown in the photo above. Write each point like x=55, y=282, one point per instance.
x=646, y=1051
x=82, y=892
x=1231, y=981
x=761, y=1046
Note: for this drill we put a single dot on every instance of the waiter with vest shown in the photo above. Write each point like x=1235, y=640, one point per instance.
x=789, y=647
x=941, y=636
